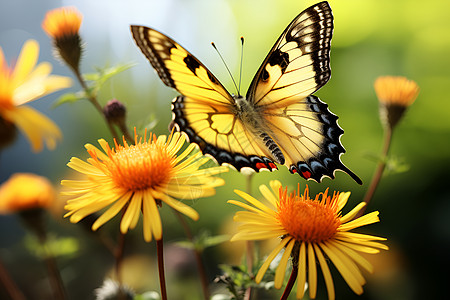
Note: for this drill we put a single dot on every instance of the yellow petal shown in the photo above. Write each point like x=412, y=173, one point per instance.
x=350, y=273
x=39, y=87
x=312, y=272
x=133, y=209
x=35, y=126
x=25, y=63
x=254, y=202
x=268, y=195
x=281, y=269
x=301, y=277
x=112, y=211
x=351, y=214
x=326, y=272
x=270, y=258
x=177, y=205
x=151, y=218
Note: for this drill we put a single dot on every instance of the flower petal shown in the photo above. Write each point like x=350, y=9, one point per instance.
x=134, y=207
x=301, y=277
x=35, y=126
x=281, y=269
x=112, y=211
x=312, y=272
x=325, y=271
x=25, y=62
x=270, y=258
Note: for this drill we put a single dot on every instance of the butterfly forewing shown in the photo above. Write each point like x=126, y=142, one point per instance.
x=299, y=62
x=179, y=69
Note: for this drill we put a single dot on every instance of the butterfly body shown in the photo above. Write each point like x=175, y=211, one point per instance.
x=278, y=121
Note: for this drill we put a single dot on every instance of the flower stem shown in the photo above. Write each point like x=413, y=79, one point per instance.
x=249, y=245
x=378, y=171
x=33, y=219
x=290, y=283
x=11, y=288
x=162, y=279
x=52, y=269
x=94, y=101
x=197, y=253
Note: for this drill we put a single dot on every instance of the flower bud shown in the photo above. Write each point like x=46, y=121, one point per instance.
x=62, y=24
x=395, y=95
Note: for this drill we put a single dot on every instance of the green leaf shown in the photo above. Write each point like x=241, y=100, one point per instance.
x=70, y=98
x=56, y=246
x=103, y=74
x=203, y=241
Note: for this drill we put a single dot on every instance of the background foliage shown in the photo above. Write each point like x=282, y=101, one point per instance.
x=372, y=38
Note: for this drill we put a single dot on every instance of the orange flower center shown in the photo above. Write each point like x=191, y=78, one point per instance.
x=308, y=220
x=141, y=166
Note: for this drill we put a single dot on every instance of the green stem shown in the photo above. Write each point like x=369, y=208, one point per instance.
x=249, y=245
x=378, y=171
x=11, y=288
x=52, y=269
x=290, y=283
x=33, y=219
x=162, y=279
x=197, y=253
x=94, y=102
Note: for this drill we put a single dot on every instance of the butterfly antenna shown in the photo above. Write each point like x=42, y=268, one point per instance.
x=240, y=71
x=234, y=82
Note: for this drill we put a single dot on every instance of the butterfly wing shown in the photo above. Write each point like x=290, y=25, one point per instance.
x=205, y=112
x=179, y=69
x=298, y=64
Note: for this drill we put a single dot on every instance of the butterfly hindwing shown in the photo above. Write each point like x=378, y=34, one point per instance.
x=220, y=133
x=309, y=136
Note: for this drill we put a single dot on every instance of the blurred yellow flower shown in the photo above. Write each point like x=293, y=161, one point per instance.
x=25, y=191
x=310, y=231
x=138, y=178
x=62, y=24
x=395, y=94
x=24, y=83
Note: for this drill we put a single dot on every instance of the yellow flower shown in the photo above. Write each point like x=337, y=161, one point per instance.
x=25, y=83
x=310, y=231
x=62, y=24
x=137, y=178
x=395, y=94
x=24, y=191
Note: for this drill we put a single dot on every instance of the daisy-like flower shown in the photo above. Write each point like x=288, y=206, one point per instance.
x=395, y=94
x=24, y=83
x=137, y=178
x=310, y=231
x=25, y=191
x=62, y=25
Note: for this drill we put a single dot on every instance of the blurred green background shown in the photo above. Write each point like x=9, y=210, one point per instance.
x=371, y=38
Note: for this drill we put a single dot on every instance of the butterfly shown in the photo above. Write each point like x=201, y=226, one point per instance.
x=279, y=121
